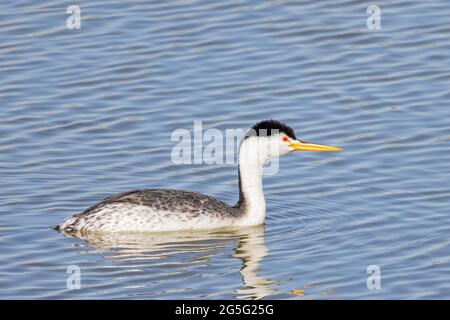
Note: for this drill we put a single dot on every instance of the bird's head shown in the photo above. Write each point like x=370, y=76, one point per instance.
x=270, y=138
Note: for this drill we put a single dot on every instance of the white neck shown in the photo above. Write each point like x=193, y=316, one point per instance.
x=250, y=175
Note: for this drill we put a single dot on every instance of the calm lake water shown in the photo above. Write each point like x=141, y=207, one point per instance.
x=89, y=113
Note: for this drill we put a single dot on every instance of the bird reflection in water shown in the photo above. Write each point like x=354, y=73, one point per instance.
x=182, y=248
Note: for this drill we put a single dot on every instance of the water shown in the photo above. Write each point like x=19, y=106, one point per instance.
x=88, y=113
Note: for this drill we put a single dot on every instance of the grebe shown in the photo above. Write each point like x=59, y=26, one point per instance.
x=160, y=210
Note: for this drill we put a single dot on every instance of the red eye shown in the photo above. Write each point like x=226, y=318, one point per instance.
x=285, y=139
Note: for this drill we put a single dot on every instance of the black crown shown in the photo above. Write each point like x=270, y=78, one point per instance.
x=267, y=127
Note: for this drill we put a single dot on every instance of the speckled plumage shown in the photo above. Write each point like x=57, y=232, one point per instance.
x=154, y=210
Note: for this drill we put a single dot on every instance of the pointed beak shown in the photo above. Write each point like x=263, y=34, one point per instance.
x=304, y=146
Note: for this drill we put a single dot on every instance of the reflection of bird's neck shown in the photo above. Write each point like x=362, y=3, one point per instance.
x=252, y=250
x=251, y=194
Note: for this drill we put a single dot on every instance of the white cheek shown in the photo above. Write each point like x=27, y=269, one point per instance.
x=277, y=148
x=287, y=150
x=282, y=149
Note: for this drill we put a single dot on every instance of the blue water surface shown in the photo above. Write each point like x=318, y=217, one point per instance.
x=89, y=112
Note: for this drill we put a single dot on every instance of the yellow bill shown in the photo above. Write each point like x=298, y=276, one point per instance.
x=304, y=146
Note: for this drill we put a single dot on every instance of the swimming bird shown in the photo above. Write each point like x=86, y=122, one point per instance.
x=160, y=210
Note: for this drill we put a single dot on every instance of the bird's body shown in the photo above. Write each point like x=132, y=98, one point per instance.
x=155, y=210
x=159, y=210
